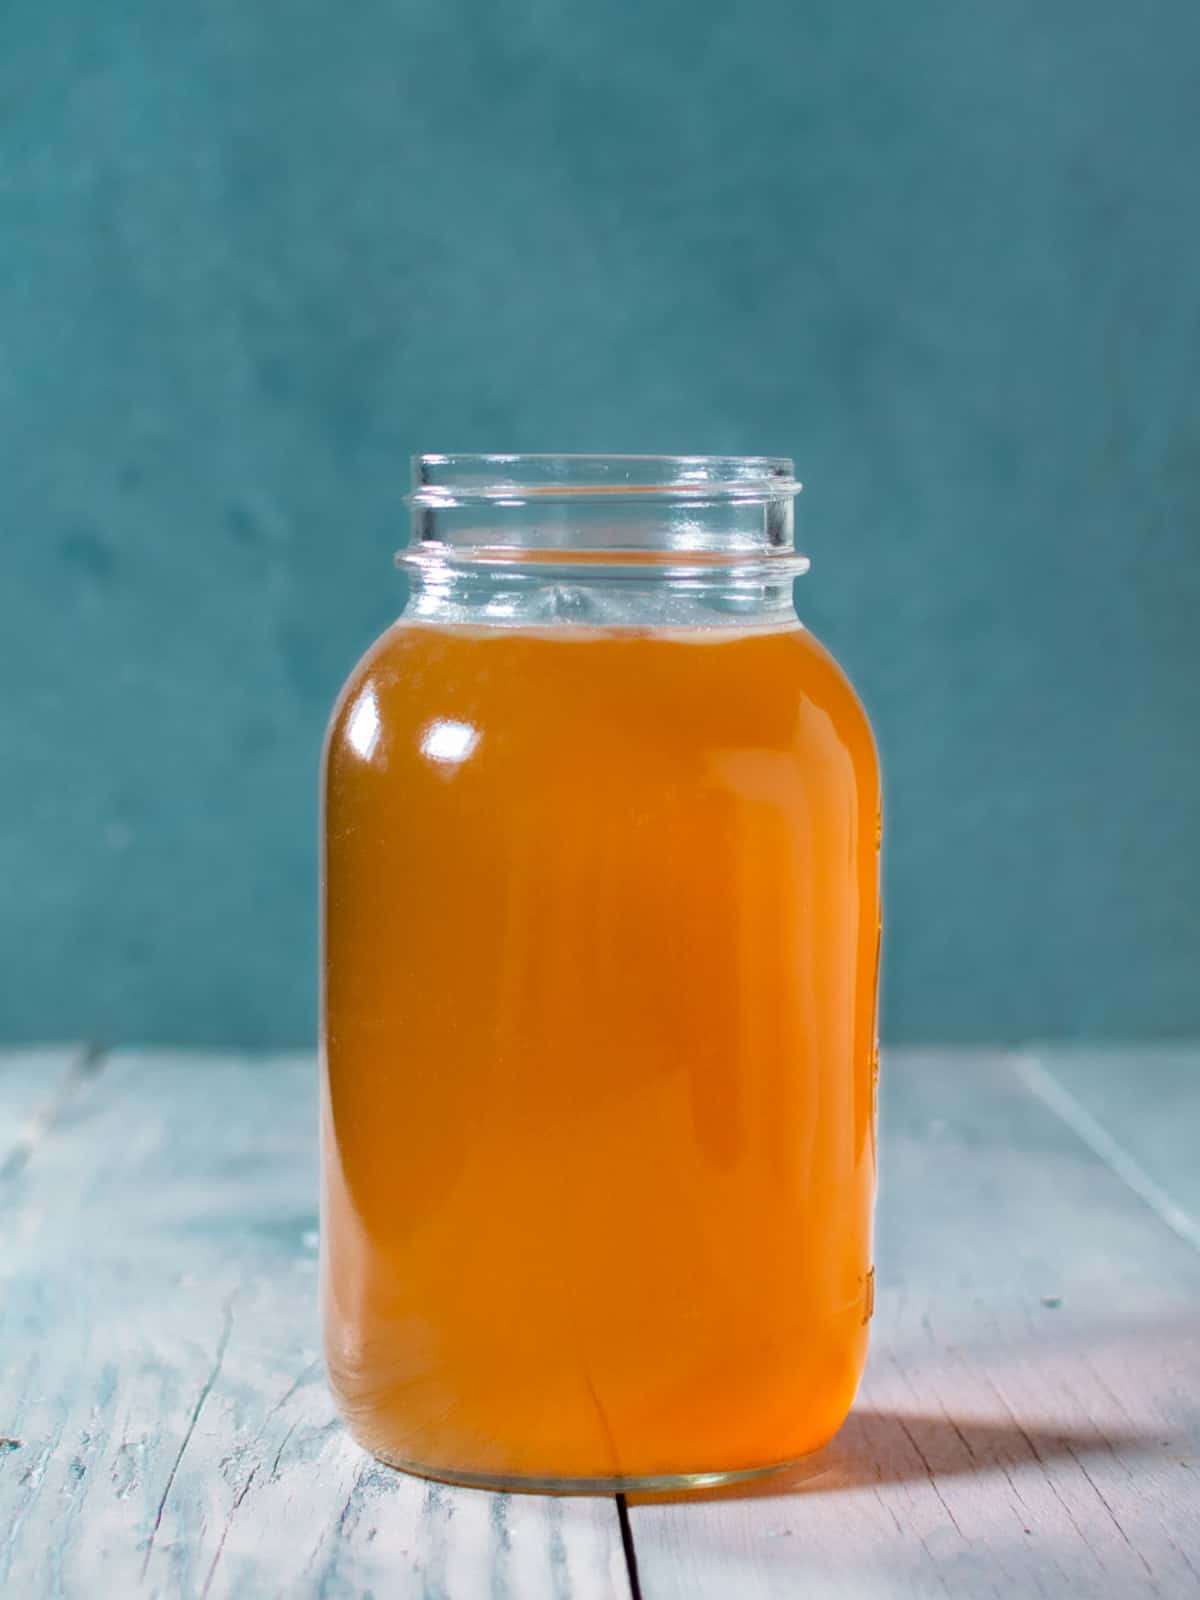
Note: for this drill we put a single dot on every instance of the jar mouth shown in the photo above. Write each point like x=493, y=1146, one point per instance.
x=445, y=482
x=620, y=517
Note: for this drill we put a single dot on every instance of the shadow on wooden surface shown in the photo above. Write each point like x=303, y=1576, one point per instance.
x=878, y=1446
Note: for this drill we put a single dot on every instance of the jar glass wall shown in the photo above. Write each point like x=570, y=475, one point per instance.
x=600, y=948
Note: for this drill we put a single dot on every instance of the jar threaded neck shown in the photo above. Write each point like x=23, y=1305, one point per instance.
x=643, y=511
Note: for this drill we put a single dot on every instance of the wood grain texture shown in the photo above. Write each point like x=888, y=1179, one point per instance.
x=165, y=1425
x=1029, y=1420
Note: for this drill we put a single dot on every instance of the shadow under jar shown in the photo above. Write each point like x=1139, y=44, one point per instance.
x=601, y=937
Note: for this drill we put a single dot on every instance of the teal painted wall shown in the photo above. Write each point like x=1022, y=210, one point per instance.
x=253, y=255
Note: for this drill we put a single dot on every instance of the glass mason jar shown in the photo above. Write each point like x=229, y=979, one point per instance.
x=601, y=938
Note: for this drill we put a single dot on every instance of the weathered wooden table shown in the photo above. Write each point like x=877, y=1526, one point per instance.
x=1028, y=1424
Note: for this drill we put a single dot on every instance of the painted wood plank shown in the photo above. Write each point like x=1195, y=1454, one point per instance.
x=1138, y=1107
x=160, y=1380
x=1029, y=1422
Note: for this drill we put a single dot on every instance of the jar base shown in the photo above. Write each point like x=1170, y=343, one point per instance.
x=636, y=1483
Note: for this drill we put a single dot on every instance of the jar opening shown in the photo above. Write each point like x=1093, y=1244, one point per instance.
x=443, y=481
x=637, y=511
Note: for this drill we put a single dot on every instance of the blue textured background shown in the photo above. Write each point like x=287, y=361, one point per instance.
x=946, y=255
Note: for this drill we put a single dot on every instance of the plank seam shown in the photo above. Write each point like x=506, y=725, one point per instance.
x=43, y=1121
x=1056, y=1097
x=627, y=1545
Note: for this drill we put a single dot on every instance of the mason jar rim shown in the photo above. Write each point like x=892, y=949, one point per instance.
x=444, y=481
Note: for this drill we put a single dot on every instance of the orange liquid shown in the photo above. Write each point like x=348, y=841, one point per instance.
x=601, y=937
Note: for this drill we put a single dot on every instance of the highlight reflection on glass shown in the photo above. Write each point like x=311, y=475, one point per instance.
x=449, y=741
x=363, y=728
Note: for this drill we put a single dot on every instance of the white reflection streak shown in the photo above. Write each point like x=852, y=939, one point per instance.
x=363, y=728
x=446, y=740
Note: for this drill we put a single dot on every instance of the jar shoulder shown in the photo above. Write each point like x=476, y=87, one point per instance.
x=827, y=676
x=782, y=690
